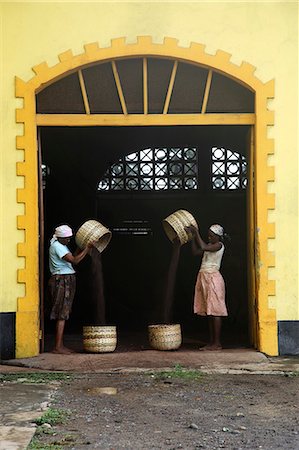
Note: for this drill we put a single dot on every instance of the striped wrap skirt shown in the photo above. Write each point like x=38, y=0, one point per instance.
x=62, y=290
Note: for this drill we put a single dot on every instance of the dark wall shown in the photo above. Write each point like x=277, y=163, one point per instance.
x=135, y=266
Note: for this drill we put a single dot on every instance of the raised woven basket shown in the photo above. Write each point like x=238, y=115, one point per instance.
x=99, y=339
x=165, y=337
x=95, y=232
x=174, y=225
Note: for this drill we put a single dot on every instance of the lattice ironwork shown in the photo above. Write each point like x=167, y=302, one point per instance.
x=175, y=168
x=229, y=169
x=154, y=169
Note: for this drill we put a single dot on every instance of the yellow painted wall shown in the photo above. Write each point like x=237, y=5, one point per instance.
x=263, y=34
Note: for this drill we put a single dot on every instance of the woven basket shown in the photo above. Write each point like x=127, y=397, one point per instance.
x=165, y=337
x=95, y=232
x=174, y=225
x=99, y=339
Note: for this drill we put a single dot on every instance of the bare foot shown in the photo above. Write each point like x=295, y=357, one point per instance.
x=62, y=351
x=210, y=347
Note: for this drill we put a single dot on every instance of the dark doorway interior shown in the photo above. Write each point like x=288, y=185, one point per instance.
x=76, y=158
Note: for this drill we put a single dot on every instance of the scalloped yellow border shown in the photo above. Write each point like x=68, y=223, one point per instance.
x=27, y=316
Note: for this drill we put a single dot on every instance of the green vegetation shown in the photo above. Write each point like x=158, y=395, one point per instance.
x=35, y=444
x=35, y=377
x=53, y=416
x=178, y=372
x=59, y=442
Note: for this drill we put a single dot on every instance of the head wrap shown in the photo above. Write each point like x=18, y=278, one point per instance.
x=217, y=229
x=63, y=231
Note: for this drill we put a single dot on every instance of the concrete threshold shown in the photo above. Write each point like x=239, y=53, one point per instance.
x=230, y=361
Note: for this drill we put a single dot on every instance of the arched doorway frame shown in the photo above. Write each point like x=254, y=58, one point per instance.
x=263, y=318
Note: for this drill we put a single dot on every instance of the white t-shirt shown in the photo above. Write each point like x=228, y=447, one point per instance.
x=57, y=265
x=211, y=261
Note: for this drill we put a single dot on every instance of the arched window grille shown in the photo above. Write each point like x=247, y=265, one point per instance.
x=162, y=168
x=229, y=169
x=153, y=169
x=141, y=86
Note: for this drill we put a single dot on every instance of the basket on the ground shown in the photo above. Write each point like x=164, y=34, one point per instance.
x=175, y=224
x=94, y=232
x=99, y=339
x=165, y=337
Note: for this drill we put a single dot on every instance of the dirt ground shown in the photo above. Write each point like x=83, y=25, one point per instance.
x=174, y=410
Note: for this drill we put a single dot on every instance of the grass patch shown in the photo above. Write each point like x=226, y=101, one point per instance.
x=41, y=431
x=178, y=372
x=35, y=444
x=53, y=416
x=35, y=377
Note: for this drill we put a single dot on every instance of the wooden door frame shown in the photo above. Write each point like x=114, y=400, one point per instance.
x=41, y=244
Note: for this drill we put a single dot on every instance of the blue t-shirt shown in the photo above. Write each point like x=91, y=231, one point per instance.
x=57, y=265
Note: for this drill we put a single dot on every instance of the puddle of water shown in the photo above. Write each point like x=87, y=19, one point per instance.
x=101, y=390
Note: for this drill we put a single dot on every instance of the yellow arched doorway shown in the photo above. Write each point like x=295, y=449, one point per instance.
x=263, y=320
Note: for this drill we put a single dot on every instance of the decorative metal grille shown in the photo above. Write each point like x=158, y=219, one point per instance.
x=229, y=169
x=160, y=169
x=153, y=169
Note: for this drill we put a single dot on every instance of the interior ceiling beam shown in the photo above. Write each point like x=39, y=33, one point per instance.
x=70, y=120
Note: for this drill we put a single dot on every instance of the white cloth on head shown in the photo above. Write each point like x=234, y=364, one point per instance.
x=63, y=231
x=217, y=229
